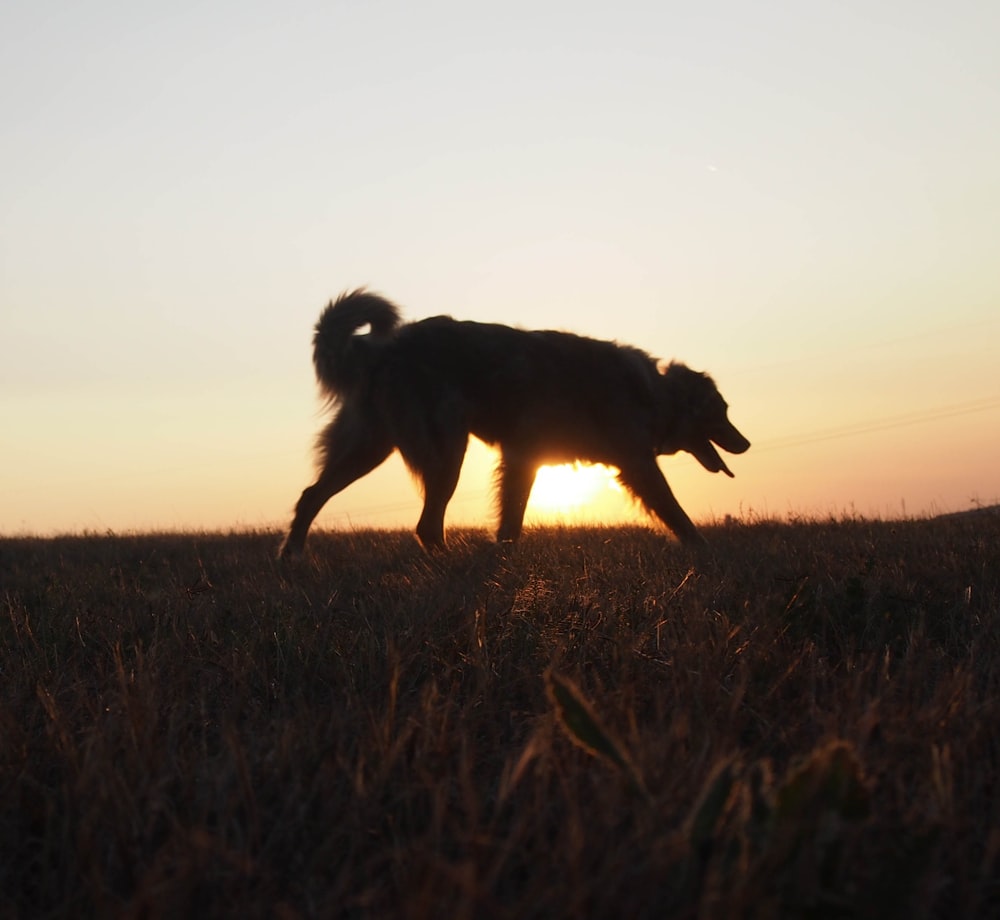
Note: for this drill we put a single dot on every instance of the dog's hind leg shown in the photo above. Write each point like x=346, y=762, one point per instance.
x=350, y=450
x=439, y=475
x=645, y=481
x=515, y=479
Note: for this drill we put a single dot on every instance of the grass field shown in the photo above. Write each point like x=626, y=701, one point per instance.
x=802, y=721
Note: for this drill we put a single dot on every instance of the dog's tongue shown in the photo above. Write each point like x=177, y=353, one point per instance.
x=709, y=458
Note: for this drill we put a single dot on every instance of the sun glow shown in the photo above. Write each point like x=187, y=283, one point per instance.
x=569, y=486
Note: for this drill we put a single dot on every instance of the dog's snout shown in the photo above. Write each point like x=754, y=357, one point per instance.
x=732, y=440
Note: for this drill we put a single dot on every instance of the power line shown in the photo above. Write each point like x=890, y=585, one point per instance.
x=884, y=424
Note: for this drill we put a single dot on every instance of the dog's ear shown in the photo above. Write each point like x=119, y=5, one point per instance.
x=684, y=387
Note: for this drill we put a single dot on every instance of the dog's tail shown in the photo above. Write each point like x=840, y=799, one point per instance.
x=341, y=357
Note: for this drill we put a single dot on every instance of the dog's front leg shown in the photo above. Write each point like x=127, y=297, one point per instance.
x=516, y=477
x=646, y=482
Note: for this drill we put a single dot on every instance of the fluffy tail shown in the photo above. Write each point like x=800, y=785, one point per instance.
x=341, y=357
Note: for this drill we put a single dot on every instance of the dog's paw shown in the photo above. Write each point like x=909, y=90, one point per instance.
x=289, y=553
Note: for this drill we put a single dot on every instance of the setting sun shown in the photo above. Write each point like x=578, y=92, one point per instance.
x=568, y=486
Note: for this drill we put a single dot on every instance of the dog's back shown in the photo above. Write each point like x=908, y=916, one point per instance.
x=543, y=391
x=490, y=358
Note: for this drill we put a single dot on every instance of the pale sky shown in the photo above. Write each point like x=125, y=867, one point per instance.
x=799, y=197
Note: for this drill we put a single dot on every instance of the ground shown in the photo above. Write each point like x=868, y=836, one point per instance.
x=799, y=720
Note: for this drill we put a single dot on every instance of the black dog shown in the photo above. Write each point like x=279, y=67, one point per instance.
x=541, y=397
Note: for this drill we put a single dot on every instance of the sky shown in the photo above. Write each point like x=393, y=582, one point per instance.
x=799, y=197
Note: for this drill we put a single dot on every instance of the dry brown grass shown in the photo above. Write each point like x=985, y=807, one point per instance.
x=802, y=721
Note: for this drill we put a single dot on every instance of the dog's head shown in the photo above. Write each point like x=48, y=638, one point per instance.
x=693, y=417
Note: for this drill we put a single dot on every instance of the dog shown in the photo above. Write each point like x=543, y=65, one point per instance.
x=423, y=388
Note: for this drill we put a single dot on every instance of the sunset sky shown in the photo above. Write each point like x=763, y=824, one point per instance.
x=801, y=198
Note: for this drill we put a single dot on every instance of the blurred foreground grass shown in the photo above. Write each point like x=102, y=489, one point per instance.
x=802, y=721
